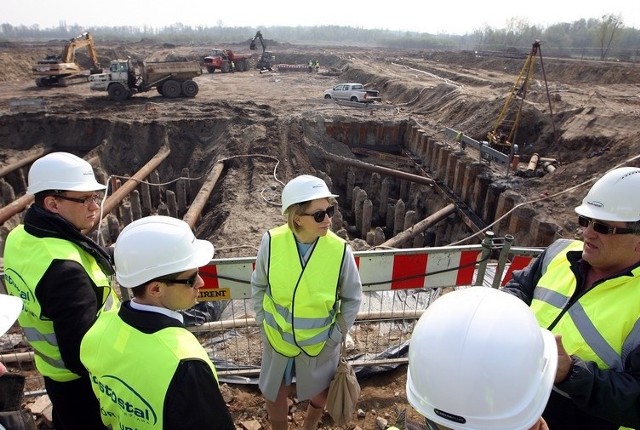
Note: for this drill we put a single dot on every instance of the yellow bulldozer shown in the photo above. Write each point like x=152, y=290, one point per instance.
x=62, y=70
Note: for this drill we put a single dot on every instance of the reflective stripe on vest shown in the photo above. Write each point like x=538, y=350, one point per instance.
x=603, y=326
x=27, y=259
x=130, y=371
x=300, y=302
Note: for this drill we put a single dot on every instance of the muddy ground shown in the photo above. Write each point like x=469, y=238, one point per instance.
x=262, y=125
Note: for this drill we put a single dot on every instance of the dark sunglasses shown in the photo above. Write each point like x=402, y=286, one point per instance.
x=189, y=281
x=602, y=228
x=96, y=198
x=318, y=216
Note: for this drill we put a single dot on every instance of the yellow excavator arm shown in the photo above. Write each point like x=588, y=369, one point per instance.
x=81, y=41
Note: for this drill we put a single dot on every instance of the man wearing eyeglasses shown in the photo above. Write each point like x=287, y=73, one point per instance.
x=147, y=370
x=63, y=279
x=588, y=294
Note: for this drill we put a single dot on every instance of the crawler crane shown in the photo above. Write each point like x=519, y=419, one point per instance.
x=504, y=131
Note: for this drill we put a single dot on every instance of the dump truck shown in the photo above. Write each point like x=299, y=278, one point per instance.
x=127, y=77
x=226, y=61
x=63, y=70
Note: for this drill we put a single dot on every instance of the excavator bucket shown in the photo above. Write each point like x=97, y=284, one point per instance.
x=253, y=46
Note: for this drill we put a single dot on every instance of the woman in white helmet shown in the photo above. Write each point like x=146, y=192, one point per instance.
x=143, y=356
x=479, y=361
x=64, y=280
x=304, y=277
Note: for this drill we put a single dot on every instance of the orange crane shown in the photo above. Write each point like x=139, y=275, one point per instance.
x=504, y=132
x=63, y=69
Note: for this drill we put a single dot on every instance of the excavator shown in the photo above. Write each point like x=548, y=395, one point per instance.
x=267, y=58
x=63, y=70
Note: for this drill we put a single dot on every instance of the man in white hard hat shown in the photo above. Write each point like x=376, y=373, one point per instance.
x=588, y=292
x=63, y=278
x=479, y=361
x=143, y=356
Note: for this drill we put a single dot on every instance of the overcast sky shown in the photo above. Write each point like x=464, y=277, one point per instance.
x=439, y=16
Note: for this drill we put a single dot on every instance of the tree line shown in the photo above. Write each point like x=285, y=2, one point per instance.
x=604, y=38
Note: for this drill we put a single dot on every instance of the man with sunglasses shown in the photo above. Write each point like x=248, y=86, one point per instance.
x=147, y=370
x=64, y=280
x=588, y=294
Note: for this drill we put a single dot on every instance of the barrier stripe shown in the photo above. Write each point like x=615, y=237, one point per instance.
x=518, y=262
x=408, y=266
x=467, y=267
x=375, y=269
x=379, y=270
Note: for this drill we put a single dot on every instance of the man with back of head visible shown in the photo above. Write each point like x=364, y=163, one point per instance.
x=143, y=355
x=588, y=292
x=479, y=361
x=63, y=279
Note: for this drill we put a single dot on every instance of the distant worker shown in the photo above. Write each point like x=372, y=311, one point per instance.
x=233, y=67
x=588, y=292
x=316, y=64
x=310, y=66
x=143, y=356
x=64, y=280
x=478, y=360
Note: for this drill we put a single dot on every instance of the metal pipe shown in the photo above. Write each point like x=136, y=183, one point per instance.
x=362, y=316
x=15, y=207
x=383, y=170
x=533, y=162
x=418, y=228
x=114, y=199
x=193, y=214
x=23, y=162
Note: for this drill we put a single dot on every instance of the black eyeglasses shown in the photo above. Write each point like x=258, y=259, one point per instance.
x=318, y=216
x=602, y=228
x=96, y=198
x=189, y=281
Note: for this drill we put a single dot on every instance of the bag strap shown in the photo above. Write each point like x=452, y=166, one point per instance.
x=343, y=329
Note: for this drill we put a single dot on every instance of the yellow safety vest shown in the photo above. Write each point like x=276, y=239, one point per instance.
x=130, y=371
x=300, y=303
x=27, y=258
x=602, y=325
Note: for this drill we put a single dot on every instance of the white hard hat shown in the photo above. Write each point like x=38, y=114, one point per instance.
x=10, y=307
x=613, y=197
x=156, y=246
x=62, y=171
x=304, y=188
x=479, y=361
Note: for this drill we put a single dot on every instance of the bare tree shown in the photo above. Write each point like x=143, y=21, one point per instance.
x=608, y=32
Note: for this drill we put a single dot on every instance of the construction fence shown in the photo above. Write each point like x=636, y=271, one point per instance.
x=398, y=285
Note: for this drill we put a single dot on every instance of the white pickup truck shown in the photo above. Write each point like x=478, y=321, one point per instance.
x=353, y=92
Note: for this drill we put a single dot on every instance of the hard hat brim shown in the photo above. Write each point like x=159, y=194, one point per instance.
x=10, y=306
